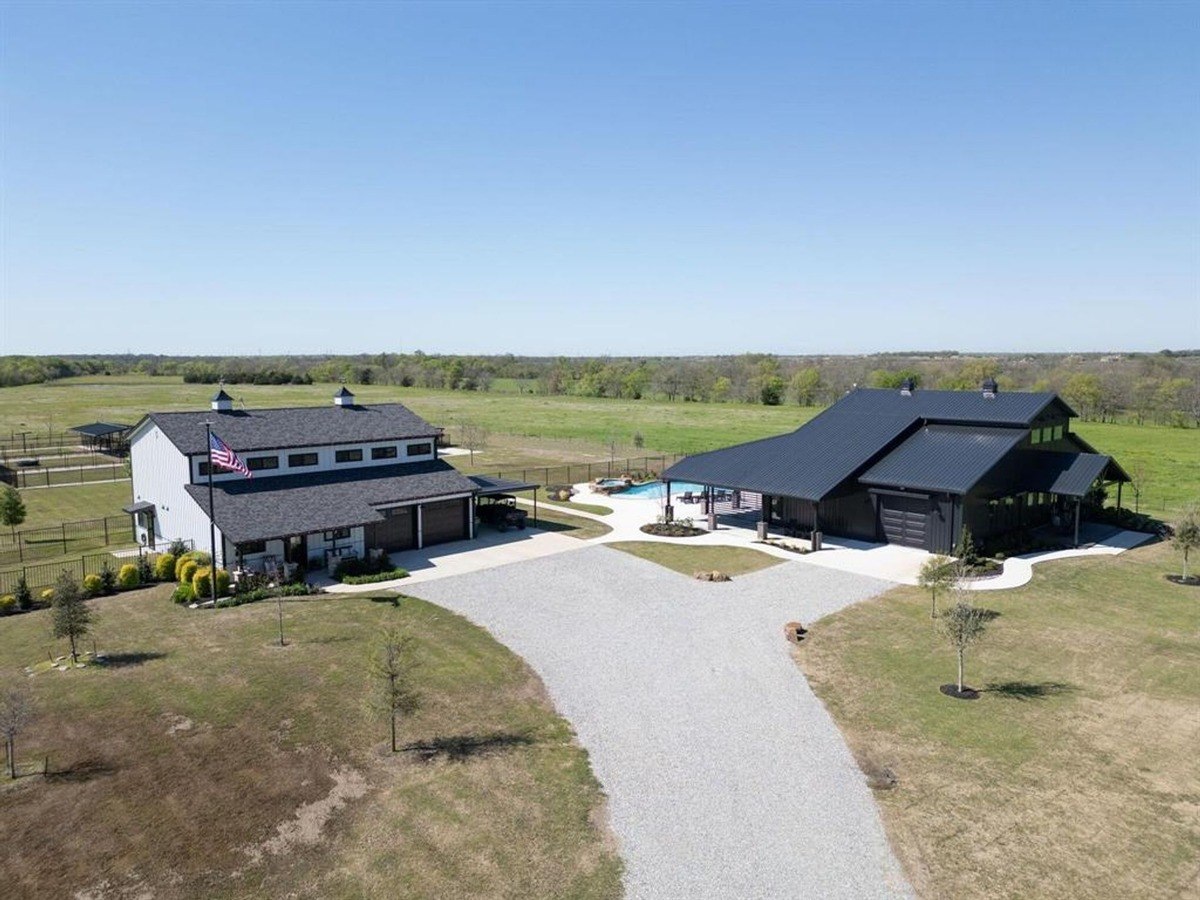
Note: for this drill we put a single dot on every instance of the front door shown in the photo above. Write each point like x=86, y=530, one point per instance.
x=296, y=550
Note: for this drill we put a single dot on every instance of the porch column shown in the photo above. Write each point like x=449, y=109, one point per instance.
x=420, y=533
x=1078, y=504
x=1119, y=486
x=764, y=517
x=668, y=510
x=816, y=511
x=710, y=508
x=471, y=517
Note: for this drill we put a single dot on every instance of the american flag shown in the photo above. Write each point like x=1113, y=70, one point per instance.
x=222, y=455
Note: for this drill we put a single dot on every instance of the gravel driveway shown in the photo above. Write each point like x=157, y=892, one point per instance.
x=726, y=778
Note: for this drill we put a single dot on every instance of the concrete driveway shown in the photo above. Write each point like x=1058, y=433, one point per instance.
x=725, y=775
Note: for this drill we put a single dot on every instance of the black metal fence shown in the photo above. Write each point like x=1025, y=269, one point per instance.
x=31, y=441
x=43, y=575
x=59, y=476
x=31, y=544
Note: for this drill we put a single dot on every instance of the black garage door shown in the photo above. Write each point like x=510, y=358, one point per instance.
x=445, y=521
x=904, y=520
x=398, y=531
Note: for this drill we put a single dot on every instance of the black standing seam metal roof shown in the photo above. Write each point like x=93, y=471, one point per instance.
x=100, y=429
x=1068, y=474
x=487, y=485
x=944, y=458
x=297, y=426
x=813, y=460
x=255, y=509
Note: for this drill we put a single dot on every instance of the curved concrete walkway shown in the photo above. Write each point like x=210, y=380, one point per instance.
x=725, y=775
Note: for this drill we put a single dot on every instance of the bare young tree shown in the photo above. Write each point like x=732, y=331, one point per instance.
x=936, y=575
x=473, y=436
x=1137, y=482
x=16, y=710
x=392, y=668
x=963, y=624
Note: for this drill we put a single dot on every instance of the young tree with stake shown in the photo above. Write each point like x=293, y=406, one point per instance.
x=936, y=575
x=392, y=667
x=963, y=624
x=70, y=616
x=1187, y=536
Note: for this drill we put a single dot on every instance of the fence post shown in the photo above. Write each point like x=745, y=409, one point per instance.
x=47, y=478
x=106, y=531
x=64, y=538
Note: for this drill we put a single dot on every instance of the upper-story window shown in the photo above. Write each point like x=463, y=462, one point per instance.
x=217, y=470
x=259, y=463
x=347, y=456
x=383, y=453
x=420, y=449
x=298, y=460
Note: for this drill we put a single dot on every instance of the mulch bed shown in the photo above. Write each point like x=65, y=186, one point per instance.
x=672, y=529
x=951, y=690
x=1190, y=581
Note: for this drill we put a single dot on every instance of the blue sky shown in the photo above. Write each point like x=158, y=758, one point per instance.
x=645, y=178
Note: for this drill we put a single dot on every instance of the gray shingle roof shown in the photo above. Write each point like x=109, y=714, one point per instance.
x=256, y=509
x=100, y=429
x=298, y=426
x=813, y=460
x=489, y=485
x=949, y=458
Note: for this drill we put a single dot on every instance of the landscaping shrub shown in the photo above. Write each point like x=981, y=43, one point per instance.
x=164, y=567
x=201, y=583
x=298, y=590
x=183, y=594
x=145, y=568
x=23, y=594
x=185, y=569
x=48, y=595
x=714, y=575
x=375, y=577
x=177, y=548
x=353, y=567
x=678, y=528
x=128, y=577
x=8, y=605
x=93, y=585
x=108, y=579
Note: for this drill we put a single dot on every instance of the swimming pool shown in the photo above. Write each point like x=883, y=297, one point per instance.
x=656, y=490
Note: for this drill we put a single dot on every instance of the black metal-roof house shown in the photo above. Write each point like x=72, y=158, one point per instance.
x=913, y=467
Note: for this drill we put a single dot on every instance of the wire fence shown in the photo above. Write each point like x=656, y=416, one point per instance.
x=31, y=544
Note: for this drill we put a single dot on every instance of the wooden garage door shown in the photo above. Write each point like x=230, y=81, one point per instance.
x=445, y=521
x=396, y=532
x=905, y=520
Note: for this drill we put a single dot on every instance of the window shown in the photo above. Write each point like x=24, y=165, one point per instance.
x=258, y=463
x=383, y=453
x=337, y=534
x=252, y=547
x=420, y=449
x=1058, y=432
x=217, y=470
x=296, y=460
x=344, y=456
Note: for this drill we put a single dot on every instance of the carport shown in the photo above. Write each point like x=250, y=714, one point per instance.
x=491, y=486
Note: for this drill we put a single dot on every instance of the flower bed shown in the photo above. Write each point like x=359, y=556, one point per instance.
x=673, y=529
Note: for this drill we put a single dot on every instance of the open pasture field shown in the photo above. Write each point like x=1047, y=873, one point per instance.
x=529, y=430
x=1075, y=773
x=205, y=760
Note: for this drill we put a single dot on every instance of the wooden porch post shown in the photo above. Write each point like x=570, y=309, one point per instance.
x=816, y=528
x=668, y=511
x=1119, y=486
x=1078, y=504
x=765, y=517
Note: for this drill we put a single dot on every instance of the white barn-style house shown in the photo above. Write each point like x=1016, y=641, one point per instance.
x=328, y=482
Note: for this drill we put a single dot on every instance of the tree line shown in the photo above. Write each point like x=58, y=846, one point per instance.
x=1161, y=388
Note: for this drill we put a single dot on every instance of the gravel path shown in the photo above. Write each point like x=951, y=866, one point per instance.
x=726, y=777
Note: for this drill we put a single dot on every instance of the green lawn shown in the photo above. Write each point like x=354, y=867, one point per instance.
x=50, y=506
x=593, y=508
x=1168, y=457
x=689, y=559
x=572, y=526
x=178, y=765
x=1076, y=772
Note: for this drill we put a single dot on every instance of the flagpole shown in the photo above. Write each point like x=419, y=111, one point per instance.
x=212, y=526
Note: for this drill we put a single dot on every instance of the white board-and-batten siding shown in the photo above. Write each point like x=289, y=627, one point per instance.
x=160, y=476
x=326, y=459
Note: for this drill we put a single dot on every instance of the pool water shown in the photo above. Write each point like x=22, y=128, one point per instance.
x=656, y=490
